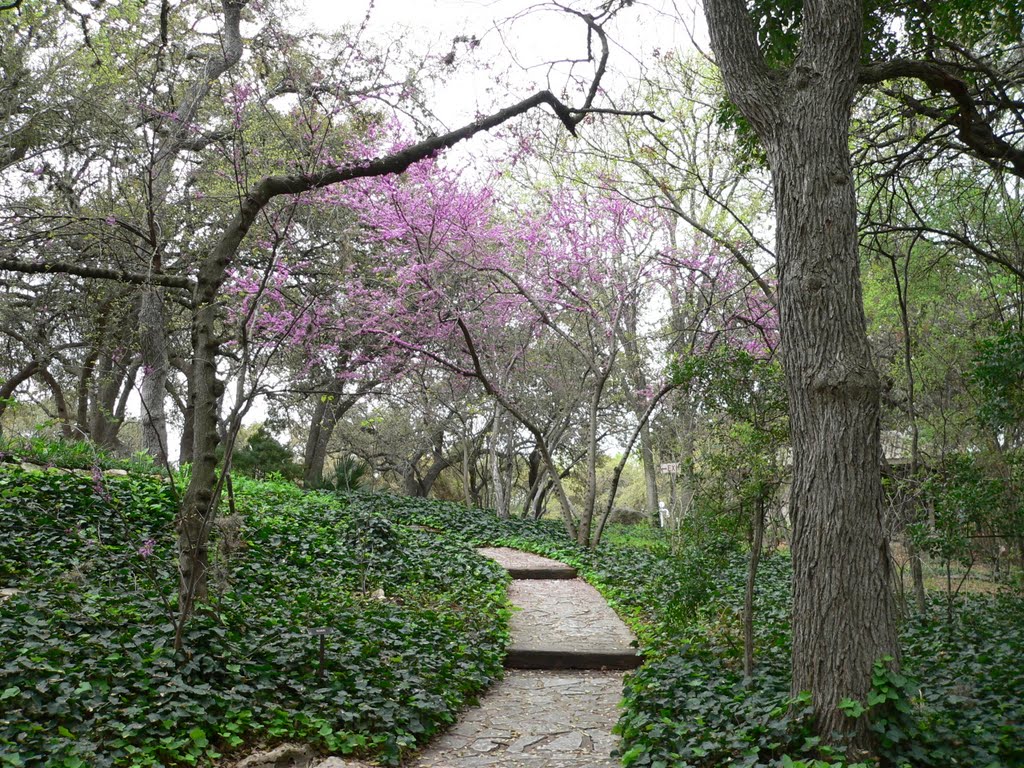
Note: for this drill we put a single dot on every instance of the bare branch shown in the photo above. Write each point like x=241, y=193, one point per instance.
x=98, y=273
x=972, y=129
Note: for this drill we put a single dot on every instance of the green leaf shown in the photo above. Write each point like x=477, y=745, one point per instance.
x=198, y=736
x=852, y=707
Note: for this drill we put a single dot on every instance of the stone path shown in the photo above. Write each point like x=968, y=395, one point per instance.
x=559, y=699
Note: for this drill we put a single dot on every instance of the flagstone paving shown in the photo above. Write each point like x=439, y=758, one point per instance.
x=535, y=719
x=560, y=696
x=566, y=624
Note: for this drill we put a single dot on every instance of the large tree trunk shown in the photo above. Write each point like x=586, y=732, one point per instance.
x=326, y=414
x=843, y=618
x=843, y=613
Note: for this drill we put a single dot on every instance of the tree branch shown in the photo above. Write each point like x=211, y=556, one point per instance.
x=747, y=77
x=972, y=129
x=98, y=273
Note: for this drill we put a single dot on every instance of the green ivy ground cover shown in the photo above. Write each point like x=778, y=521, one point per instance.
x=959, y=701
x=88, y=676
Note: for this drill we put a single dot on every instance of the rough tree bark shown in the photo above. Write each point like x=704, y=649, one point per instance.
x=843, y=613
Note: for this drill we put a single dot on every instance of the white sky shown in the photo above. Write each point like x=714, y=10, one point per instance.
x=522, y=37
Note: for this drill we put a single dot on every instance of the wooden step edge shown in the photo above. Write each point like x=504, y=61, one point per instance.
x=553, y=659
x=542, y=572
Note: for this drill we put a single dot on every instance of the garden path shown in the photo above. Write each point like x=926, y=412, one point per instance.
x=559, y=699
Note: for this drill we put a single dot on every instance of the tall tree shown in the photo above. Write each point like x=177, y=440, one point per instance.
x=843, y=616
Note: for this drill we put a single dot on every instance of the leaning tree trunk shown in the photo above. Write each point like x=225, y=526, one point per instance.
x=843, y=613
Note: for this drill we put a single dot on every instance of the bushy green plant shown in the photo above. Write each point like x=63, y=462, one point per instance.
x=88, y=673
x=263, y=456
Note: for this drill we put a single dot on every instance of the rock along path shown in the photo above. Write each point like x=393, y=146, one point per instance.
x=560, y=696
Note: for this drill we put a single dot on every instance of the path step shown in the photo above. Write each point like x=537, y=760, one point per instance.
x=565, y=572
x=553, y=709
x=524, y=565
x=566, y=624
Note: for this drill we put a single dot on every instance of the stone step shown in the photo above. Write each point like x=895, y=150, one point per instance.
x=534, y=719
x=566, y=624
x=524, y=565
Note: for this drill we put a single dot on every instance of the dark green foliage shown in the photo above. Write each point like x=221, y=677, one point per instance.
x=999, y=375
x=264, y=456
x=88, y=675
x=416, y=626
x=77, y=525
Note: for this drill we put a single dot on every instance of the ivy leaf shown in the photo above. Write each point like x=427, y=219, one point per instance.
x=198, y=736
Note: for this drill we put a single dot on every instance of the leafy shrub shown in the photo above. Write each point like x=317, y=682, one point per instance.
x=88, y=674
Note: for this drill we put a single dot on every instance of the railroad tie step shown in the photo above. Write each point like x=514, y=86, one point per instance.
x=542, y=572
x=557, y=659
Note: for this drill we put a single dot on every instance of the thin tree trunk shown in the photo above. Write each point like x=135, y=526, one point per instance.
x=155, y=369
x=917, y=576
x=500, y=498
x=467, y=480
x=643, y=420
x=910, y=498
x=748, y=597
x=650, y=476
